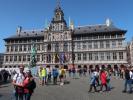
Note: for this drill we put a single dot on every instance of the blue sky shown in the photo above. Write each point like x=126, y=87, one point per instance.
x=31, y=14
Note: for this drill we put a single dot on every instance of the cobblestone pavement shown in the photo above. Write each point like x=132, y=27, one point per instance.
x=76, y=90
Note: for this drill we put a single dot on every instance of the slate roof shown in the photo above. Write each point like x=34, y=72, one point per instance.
x=90, y=29
x=27, y=34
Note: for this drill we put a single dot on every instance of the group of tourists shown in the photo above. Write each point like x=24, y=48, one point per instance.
x=5, y=75
x=24, y=84
x=100, y=78
x=79, y=72
x=48, y=75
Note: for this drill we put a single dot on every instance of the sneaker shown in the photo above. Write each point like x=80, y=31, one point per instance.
x=130, y=92
x=124, y=91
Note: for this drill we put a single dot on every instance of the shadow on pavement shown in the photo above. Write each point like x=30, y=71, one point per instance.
x=0, y=95
x=4, y=86
x=4, y=83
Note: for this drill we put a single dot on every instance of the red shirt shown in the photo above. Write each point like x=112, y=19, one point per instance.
x=103, y=78
x=25, y=83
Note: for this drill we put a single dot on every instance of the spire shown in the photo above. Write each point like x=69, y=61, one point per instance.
x=58, y=3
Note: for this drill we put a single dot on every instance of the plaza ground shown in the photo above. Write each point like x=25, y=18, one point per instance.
x=77, y=89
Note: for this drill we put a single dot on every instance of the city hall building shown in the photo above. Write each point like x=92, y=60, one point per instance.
x=62, y=44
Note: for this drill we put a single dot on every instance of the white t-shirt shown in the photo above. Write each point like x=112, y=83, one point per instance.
x=131, y=74
x=96, y=73
x=19, y=78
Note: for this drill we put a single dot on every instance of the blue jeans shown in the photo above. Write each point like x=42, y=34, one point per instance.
x=18, y=96
x=128, y=83
x=27, y=96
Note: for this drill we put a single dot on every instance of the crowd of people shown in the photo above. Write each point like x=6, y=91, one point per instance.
x=99, y=78
x=5, y=75
x=48, y=75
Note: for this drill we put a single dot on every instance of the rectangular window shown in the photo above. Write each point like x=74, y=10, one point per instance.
x=120, y=55
x=79, y=56
x=20, y=47
x=107, y=44
x=6, y=58
x=11, y=58
x=19, y=58
x=101, y=44
x=28, y=58
x=29, y=47
x=38, y=47
x=25, y=48
x=90, y=45
x=84, y=45
x=16, y=48
x=38, y=58
x=113, y=44
x=24, y=58
x=114, y=56
x=7, y=49
x=102, y=56
x=95, y=45
x=42, y=47
x=15, y=58
x=84, y=56
x=90, y=56
x=108, y=55
x=96, y=56
x=78, y=45
x=119, y=43
x=12, y=47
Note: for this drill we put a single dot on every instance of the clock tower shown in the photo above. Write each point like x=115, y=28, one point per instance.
x=58, y=22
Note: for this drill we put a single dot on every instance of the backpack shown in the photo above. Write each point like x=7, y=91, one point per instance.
x=31, y=85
